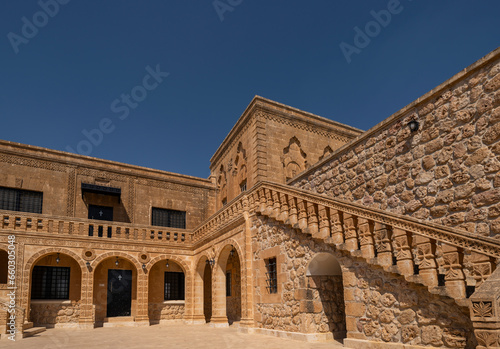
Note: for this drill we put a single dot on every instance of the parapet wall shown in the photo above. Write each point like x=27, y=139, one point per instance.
x=446, y=172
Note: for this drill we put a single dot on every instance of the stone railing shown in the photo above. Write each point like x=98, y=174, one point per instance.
x=20, y=222
x=423, y=252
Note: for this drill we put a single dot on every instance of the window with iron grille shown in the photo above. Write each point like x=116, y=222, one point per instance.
x=228, y=284
x=50, y=282
x=21, y=200
x=243, y=186
x=272, y=275
x=168, y=218
x=174, y=286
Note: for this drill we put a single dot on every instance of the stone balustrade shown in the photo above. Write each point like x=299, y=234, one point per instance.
x=449, y=261
x=95, y=229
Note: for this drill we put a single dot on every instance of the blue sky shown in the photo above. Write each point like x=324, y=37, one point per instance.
x=74, y=63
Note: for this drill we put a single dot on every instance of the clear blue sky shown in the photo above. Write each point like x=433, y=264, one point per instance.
x=65, y=76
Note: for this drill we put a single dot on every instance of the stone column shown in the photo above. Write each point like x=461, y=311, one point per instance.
x=247, y=311
x=86, y=319
x=142, y=316
x=219, y=317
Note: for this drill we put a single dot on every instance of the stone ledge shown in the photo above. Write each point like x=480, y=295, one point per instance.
x=365, y=344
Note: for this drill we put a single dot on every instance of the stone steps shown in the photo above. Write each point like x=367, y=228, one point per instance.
x=33, y=331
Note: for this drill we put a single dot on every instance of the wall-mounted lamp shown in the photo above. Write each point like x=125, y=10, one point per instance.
x=143, y=266
x=210, y=262
x=88, y=265
x=232, y=251
x=116, y=262
x=58, y=259
x=413, y=125
x=166, y=264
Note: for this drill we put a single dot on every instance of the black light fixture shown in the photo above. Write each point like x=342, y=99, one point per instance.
x=88, y=265
x=143, y=266
x=166, y=264
x=58, y=259
x=210, y=262
x=413, y=125
x=116, y=262
x=232, y=251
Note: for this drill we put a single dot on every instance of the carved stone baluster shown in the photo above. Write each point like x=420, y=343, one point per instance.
x=365, y=232
x=383, y=248
x=482, y=267
x=302, y=214
x=312, y=219
x=270, y=204
x=454, y=276
x=336, y=227
x=276, y=205
x=351, y=236
x=402, y=251
x=425, y=257
x=262, y=201
x=292, y=213
x=324, y=223
x=284, y=208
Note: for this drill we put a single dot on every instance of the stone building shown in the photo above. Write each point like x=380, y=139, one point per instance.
x=306, y=229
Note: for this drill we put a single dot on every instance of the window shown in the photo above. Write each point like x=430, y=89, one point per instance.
x=20, y=200
x=243, y=186
x=168, y=218
x=224, y=202
x=50, y=283
x=174, y=286
x=228, y=284
x=272, y=276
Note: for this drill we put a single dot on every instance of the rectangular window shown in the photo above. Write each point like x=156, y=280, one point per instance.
x=168, y=218
x=50, y=283
x=228, y=284
x=243, y=186
x=174, y=286
x=272, y=275
x=21, y=200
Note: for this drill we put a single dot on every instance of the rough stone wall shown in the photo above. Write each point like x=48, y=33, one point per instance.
x=161, y=311
x=446, y=172
x=51, y=313
x=379, y=306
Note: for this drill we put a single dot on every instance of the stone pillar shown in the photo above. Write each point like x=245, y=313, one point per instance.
x=365, y=232
x=142, y=316
x=336, y=227
x=87, y=317
x=219, y=317
x=383, y=244
x=426, y=257
x=302, y=214
x=312, y=219
x=247, y=311
x=351, y=237
x=324, y=223
x=197, y=304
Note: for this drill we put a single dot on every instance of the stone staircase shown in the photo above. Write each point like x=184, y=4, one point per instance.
x=30, y=331
x=449, y=262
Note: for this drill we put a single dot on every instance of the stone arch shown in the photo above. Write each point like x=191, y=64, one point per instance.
x=294, y=159
x=158, y=310
x=28, y=267
x=219, y=281
x=327, y=151
x=124, y=255
x=4, y=258
x=324, y=278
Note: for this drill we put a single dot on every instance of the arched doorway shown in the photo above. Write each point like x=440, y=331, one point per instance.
x=207, y=292
x=115, y=290
x=233, y=287
x=166, y=292
x=55, y=291
x=324, y=275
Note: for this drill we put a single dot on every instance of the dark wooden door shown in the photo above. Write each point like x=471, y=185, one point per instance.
x=103, y=213
x=119, y=292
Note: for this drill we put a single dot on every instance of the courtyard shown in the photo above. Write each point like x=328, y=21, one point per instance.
x=175, y=336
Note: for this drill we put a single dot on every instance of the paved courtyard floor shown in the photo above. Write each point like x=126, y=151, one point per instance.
x=174, y=336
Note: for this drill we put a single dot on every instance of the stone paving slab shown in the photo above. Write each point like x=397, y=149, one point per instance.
x=175, y=336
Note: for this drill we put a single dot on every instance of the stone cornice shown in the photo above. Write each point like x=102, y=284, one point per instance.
x=74, y=161
x=285, y=112
x=471, y=69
